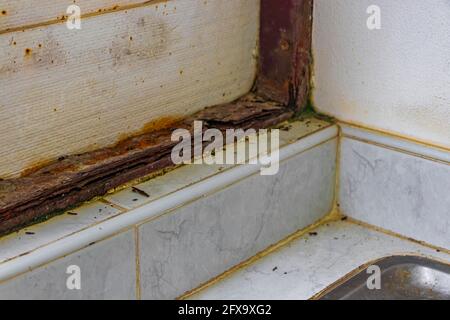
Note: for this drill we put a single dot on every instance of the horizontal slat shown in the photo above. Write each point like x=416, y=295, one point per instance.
x=67, y=91
x=16, y=14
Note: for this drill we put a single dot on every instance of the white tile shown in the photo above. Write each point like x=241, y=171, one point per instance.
x=108, y=271
x=310, y=264
x=396, y=191
x=197, y=242
x=31, y=238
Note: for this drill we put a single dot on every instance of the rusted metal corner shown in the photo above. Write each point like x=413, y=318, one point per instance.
x=282, y=88
x=285, y=51
x=78, y=178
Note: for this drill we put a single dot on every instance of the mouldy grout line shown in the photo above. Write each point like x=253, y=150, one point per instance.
x=137, y=258
x=337, y=184
x=131, y=218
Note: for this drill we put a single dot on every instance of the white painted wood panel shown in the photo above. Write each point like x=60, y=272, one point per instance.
x=19, y=13
x=67, y=91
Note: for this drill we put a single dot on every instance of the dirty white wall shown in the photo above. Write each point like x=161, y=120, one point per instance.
x=396, y=79
x=66, y=91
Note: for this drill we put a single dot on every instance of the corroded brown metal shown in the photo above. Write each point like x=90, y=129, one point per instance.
x=284, y=76
x=285, y=51
x=78, y=178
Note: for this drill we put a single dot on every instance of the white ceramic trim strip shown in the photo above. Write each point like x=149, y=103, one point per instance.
x=152, y=210
x=395, y=142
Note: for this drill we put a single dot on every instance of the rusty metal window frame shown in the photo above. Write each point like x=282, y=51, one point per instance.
x=281, y=90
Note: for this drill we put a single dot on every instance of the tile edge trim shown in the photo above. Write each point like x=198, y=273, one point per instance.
x=395, y=142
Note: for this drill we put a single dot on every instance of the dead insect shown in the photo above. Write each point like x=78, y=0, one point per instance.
x=141, y=192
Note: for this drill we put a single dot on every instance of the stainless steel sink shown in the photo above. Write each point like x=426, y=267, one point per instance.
x=402, y=278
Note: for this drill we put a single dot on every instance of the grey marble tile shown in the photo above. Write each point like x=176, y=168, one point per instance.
x=107, y=269
x=195, y=243
x=397, y=191
x=310, y=264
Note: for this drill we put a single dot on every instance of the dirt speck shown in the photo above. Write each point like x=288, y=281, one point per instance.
x=284, y=45
x=141, y=192
x=141, y=22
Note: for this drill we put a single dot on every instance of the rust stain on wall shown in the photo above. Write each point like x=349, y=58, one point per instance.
x=162, y=123
x=47, y=166
x=159, y=124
